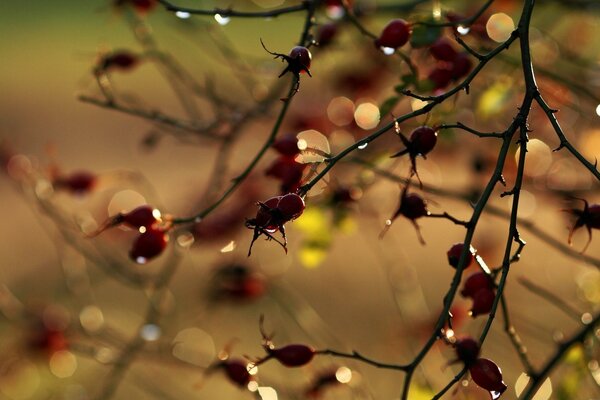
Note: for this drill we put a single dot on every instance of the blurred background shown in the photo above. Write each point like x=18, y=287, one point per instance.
x=80, y=320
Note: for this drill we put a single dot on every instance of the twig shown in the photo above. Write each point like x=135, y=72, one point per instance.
x=539, y=376
x=564, y=142
x=460, y=125
x=228, y=12
x=357, y=356
x=514, y=337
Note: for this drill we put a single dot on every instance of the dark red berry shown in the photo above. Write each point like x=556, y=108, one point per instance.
x=589, y=217
x=293, y=355
x=454, y=255
x=287, y=145
x=423, y=140
x=148, y=245
x=238, y=283
x=291, y=206
x=440, y=77
x=326, y=33
x=475, y=283
x=299, y=60
x=345, y=195
x=78, y=182
x=413, y=206
x=288, y=172
x=395, y=34
x=266, y=216
x=142, y=216
x=483, y=300
x=47, y=340
x=272, y=216
x=467, y=350
x=141, y=6
x=237, y=371
x=442, y=50
x=487, y=375
x=121, y=60
x=461, y=66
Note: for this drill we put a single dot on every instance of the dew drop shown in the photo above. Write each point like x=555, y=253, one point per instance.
x=363, y=146
x=598, y=110
x=222, y=20
x=150, y=332
x=463, y=30
x=183, y=14
x=388, y=51
x=141, y=260
x=586, y=318
x=388, y=222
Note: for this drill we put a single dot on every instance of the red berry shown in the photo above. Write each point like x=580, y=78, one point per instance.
x=326, y=34
x=475, y=283
x=237, y=371
x=287, y=145
x=440, y=77
x=413, y=206
x=589, y=217
x=487, y=375
x=142, y=216
x=395, y=34
x=293, y=355
x=148, y=245
x=265, y=217
x=121, y=60
x=288, y=172
x=239, y=283
x=423, y=140
x=467, y=350
x=142, y=6
x=442, y=50
x=47, y=340
x=77, y=183
x=291, y=206
x=299, y=59
x=454, y=255
x=483, y=300
x=461, y=66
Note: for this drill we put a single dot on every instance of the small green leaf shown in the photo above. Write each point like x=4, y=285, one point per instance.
x=424, y=35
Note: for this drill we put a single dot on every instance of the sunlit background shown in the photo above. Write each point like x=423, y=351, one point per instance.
x=71, y=305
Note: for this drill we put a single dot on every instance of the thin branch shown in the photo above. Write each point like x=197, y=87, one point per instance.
x=154, y=116
x=514, y=337
x=449, y=217
x=268, y=142
x=460, y=125
x=564, y=142
x=228, y=12
x=434, y=101
x=464, y=22
x=357, y=356
x=539, y=377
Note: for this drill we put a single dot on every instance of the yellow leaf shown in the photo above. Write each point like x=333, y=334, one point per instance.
x=494, y=99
